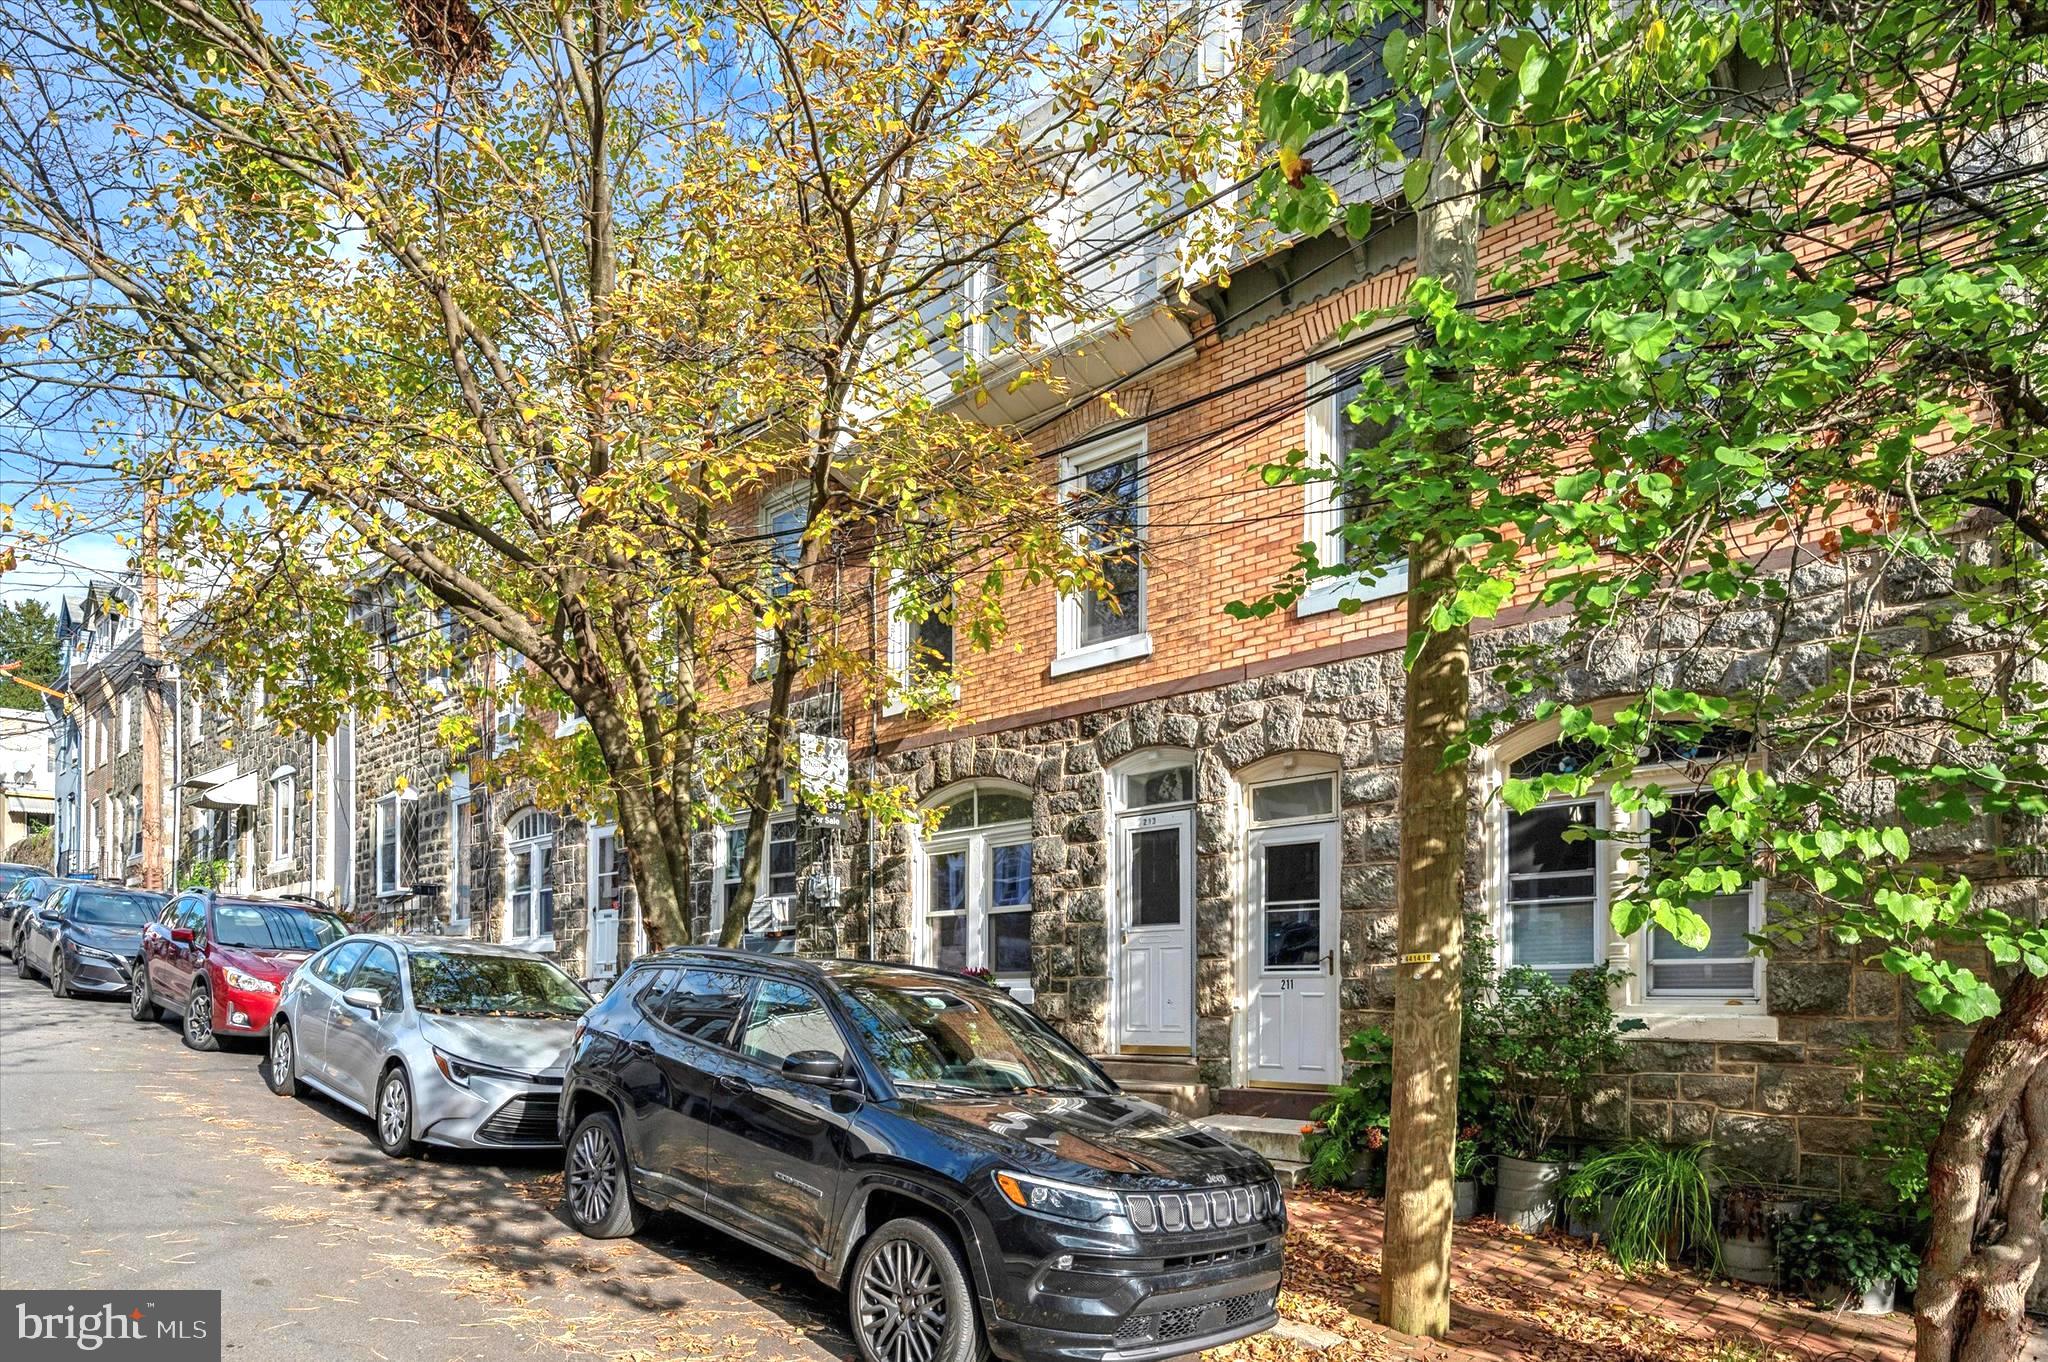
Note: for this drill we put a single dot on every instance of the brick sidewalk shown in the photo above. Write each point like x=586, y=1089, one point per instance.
x=1522, y=1299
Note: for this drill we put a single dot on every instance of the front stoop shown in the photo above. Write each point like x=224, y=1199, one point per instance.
x=1277, y=1138
x=1172, y=1081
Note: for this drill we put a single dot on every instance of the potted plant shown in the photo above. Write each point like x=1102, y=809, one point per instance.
x=1470, y=1167
x=1845, y=1258
x=1744, y=1216
x=1653, y=1202
x=1546, y=1042
x=1349, y=1129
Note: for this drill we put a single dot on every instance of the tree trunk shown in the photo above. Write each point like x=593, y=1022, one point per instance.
x=1415, y=1260
x=1987, y=1180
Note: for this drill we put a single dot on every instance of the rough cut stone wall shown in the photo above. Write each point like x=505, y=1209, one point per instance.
x=229, y=735
x=1784, y=1110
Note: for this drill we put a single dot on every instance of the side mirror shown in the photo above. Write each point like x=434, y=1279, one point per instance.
x=367, y=999
x=46, y=914
x=182, y=935
x=818, y=1066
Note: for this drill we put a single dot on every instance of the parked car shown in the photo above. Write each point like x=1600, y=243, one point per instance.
x=437, y=1041
x=13, y=873
x=83, y=938
x=219, y=962
x=26, y=895
x=928, y=1145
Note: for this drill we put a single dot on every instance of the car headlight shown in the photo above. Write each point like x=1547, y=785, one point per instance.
x=85, y=952
x=1058, y=1200
x=246, y=983
x=459, y=1071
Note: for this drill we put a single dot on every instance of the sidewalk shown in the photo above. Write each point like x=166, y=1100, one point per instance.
x=1523, y=1299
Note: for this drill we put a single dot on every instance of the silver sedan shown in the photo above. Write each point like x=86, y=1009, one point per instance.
x=437, y=1041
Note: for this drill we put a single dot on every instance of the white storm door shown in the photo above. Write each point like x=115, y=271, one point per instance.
x=1291, y=1035
x=1155, y=965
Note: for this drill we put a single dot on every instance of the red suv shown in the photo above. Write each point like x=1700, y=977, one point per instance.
x=221, y=962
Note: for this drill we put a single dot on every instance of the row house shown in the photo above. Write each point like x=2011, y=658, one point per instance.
x=112, y=746
x=1175, y=832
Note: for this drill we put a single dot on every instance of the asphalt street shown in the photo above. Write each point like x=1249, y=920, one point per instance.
x=127, y=1160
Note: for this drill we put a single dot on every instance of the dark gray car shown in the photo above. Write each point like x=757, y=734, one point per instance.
x=84, y=938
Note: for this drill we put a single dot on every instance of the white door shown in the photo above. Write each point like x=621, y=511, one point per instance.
x=1291, y=1036
x=1156, y=933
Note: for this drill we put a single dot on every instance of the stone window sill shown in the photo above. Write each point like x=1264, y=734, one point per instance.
x=1731, y=1027
x=1102, y=654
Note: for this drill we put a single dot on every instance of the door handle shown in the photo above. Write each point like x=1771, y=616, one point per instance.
x=733, y=1084
x=1330, y=961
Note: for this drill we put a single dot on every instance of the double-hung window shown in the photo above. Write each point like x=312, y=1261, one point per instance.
x=1724, y=967
x=782, y=525
x=392, y=817
x=1105, y=492
x=920, y=641
x=1556, y=908
x=284, y=815
x=1337, y=432
x=778, y=878
x=977, y=887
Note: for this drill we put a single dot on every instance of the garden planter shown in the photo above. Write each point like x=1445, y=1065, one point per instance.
x=1363, y=1167
x=1526, y=1196
x=1464, y=1199
x=1750, y=1260
x=1876, y=1301
x=1594, y=1228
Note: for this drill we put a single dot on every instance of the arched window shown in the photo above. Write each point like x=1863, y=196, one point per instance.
x=1555, y=884
x=530, y=907
x=974, y=886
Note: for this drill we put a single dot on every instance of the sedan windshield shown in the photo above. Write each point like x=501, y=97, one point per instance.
x=113, y=908
x=274, y=927
x=11, y=875
x=935, y=1034
x=465, y=984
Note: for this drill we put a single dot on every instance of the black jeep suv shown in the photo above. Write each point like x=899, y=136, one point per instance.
x=925, y=1143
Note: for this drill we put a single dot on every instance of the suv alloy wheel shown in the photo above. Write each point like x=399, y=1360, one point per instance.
x=596, y=1189
x=198, y=1027
x=60, y=987
x=141, y=1006
x=909, y=1297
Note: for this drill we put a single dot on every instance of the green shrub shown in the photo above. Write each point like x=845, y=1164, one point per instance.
x=1848, y=1246
x=1910, y=1091
x=1658, y=1201
x=1543, y=1043
x=1356, y=1115
x=1470, y=1162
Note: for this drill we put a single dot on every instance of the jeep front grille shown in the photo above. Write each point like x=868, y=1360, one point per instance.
x=1216, y=1209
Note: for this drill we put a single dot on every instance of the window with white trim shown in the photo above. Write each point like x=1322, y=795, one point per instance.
x=1565, y=860
x=135, y=823
x=390, y=852
x=920, y=642
x=976, y=886
x=508, y=706
x=778, y=876
x=284, y=816
x=127, y=719
x=461, y=840
x=1334, y=434
x=782, y=525
x=530, y=885
x=1105, y=500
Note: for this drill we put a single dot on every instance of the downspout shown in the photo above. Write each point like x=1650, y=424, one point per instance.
x=177, y=837
x=868, y=829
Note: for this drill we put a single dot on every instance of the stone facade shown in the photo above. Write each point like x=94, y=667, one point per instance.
x=1773, y=1088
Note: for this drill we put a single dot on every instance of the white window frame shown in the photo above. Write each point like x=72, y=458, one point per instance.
x=284, y=817
x=530, y=846
x=1069, y=654
x=789, y=498
x=1324, y=514
x=388, y=823
x=1714, y=1017
x=979, y=843
x=507, y=708
x=460, y=831
x=728, y=865
x=902, y=634
x=127, y=719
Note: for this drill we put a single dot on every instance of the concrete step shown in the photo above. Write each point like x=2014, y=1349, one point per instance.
x=1188, y=1099
x=1275, y=1137
x=1150, y=1068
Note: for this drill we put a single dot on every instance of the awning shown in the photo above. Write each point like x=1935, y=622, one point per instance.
x=239, y=793
x=219, y=775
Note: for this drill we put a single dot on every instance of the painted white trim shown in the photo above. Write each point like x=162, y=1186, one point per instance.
x=979, y=844
x=1322, y=511
x=1069, y=656
x=1669, y=1017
